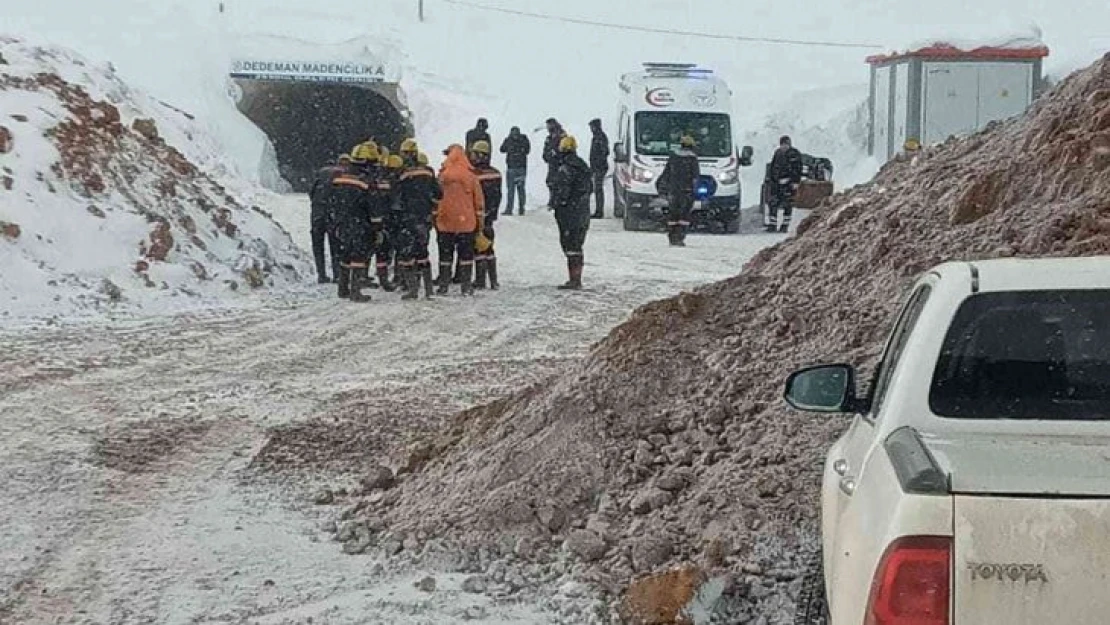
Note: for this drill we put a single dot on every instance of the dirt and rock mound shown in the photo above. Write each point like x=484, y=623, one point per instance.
x=108, y=209
x=670, y=446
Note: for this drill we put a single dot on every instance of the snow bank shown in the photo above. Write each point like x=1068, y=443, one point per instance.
x=120, y=200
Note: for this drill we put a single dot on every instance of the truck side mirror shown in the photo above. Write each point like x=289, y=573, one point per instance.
x=620, y=155
x=746, y=154
x=823, y=388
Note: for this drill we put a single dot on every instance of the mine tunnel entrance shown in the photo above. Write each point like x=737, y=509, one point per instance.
x=310, y=123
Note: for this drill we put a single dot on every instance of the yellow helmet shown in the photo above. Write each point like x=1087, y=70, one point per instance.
x=394, y=162
x=911, y=145
x=365, y=152
x=480, y=147
x=568, y=144
x=422, y=158
x=687, y=141
x=383, y=155
x=408, y=146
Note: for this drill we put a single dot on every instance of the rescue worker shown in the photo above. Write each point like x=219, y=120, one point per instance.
x=516, y=147
x=485, y=260
x=355, y=226
x=599, y=166
x=785, y=173
x=387, y=249
x=458, y=219
x=419, y=193
x=677, y=182
x=571, y=187
x=551, y=156
x=423, y=257
x=320, y=219
x=480, y=132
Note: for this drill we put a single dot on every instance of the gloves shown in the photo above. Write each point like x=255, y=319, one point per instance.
x=379, y=238
x=487, y=231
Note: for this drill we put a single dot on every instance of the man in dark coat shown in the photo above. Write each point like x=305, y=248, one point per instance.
x=321, y=221
x=785, y=175
x=480, y=132
x=571, y=190
x=677, y=182
x=516, y=147
x=599, y=166
x=555, y=134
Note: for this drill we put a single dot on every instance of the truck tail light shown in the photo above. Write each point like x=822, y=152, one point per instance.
x=912, y=585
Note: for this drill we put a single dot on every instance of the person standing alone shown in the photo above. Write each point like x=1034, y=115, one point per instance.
x=677, y=182
x=785, y=175
x=571, y=198
x=599, y=166
x=516, y=147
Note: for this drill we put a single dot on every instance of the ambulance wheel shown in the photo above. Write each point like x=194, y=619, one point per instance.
x=732, y=226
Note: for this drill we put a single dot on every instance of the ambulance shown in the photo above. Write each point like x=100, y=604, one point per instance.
x=657, y=106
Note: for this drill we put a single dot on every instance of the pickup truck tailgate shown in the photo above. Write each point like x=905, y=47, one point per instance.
x=1031, y=561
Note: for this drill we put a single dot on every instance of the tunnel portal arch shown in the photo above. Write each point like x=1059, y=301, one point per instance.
x=312, y=112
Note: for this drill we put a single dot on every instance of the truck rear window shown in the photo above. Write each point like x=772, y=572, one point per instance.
x=1026, y=355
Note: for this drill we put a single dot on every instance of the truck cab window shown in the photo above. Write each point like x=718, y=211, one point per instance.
x=896, y=346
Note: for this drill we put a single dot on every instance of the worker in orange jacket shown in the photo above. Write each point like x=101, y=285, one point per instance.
x=458, y=218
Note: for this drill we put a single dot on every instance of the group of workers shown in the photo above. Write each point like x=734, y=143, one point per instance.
x=372, y=205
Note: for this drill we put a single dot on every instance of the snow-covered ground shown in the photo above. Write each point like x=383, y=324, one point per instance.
x=125, y=495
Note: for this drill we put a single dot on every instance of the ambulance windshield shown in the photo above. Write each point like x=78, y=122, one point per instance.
x=658, y=133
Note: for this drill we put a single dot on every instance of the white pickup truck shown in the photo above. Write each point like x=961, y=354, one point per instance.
x=973, y=484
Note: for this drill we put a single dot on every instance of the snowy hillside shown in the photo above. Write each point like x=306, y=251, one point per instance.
x=110, y=201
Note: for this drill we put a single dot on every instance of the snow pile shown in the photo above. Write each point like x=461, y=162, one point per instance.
x=670, y=443
x=104, y=211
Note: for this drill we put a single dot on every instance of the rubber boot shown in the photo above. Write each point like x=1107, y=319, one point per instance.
x=408, y=282
x=426, y=274
x=358, y=277
x=466, y=276
x=574, y=273
x=444, y=282
x=383, y=279
x=491, y=270
x=480, y=274
x=343, y=279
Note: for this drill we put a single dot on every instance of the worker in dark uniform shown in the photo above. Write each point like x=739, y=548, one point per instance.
x=785, y=176
x=555, y=134
x=571, y=187
x=599, y=166
x=485, y=260
x=419, y=193
x=355, y=228
x=677, y=182
x=480, y=132
x=458, y=219
x=320, y=219
x=387, y=250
